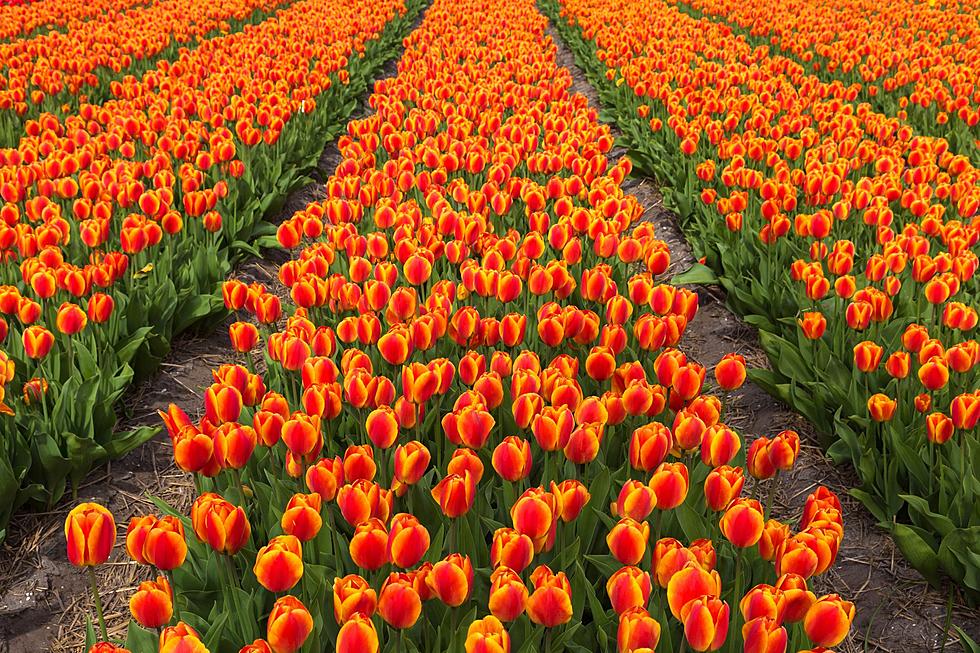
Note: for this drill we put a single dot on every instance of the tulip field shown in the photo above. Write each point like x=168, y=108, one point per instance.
x=469, y=406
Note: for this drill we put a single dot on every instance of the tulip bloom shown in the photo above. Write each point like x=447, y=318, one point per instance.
x=550, y=604
x=223, y=526
x=730, y=371
x=399, y=603
x=38, y=341
x=743, y=522
x=649, y=446
x=408, y=541
x=636, y=501
x=764, y=635
x=357, y=635
x=705, y=620
x=152, y=604
x=165, y=546
x=181, y=639
x=536, y=514
x=627, y=541
x=455, y=494
x=881, y=407
x=670, y=484
x=487, y=635
x=573, y=496
x=508, y=594
x=512, y=459
x=628, y=588
x=411, y=462
x=290, y=624
x=511, y=549
x=451, y=579
x=352, y=596
x=722, y=486
x=690, y=583
x=279, y=564
x=369, y=545
x=828, y=621
x=90, y=532
x=637, y=631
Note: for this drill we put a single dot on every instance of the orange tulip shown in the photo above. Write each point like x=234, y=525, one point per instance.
x=165, y=547
x=382, y=427
x=455, y=494
x=649, y=446
x=223, y=526
x=881, y=407
x=152, y=604
x=357, y=635
x=705, y=620
x=690, y=583
x=290, y=624
x=487, y=635
x=353, y=596
x=71, y=319
x=535, y=514
x=573, y=497
x=369, y=545
x=399, y=603
x=90, y=532
x=411, y=462
x=730, y=371
x=628, y=588
x=627, y=541
x=764, y=635
x=408, y=541
x=279, y=564
x=325, y=477
x=451, y=579
x=828, y=621
x=743, y=522
x=636, y=501
x=637, y=631
x=181, y=639
x=550, y=604
x=38, y=341
x=670, y=484
x=511, y=549
x=508, y=594
x=512, y=459
x=723, y=485
x=301, y=517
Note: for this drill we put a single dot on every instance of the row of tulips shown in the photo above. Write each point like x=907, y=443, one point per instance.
x=469, y=428
x=849, y=240
x=119, y=222
x=20, y=19
x=918, y=62
x=55, y=71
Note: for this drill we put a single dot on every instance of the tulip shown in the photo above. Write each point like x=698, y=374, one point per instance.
x=583, y=443
x=627, y=541
x=152, y=604
x=649, y=446
x=719, y=445
x=352, y=596
x=773, y=534
x=136, y=532
x=628, y=588
x=244, y=336
x=511, y=549
x=487, y=635
x=730, y=371
x=508, y=594
x=512, y=459
x=536, y=514
x=165, y=546
x=181, y=639
x=705, y=620
x=38, y=341
x=258, y=646
x=463, y=461
x=763, y=601
x=743, y=522
x=290, y=624
x=881, y=408
x=939, y=428
x=813, y=324
x=107, y=647
x=382, y=427
x=359, y=463
x=797, y=599
x=867, y=356
x=550, y=604
x=451, y=579
x=690, y=583
x=90, y=532
x=637, y=631
x=411, y=462
x=399, y=603
x=362, y=500
x=70, y=319
x=670, y=484
x=828, y=621
x=408, y=541
x=223, y=526
x=573, y=497
x=455, y=494
x=552, y=428
x=764, y=635
x=301, y=517
x=369, y=545
x=279, y=564
x=357, y=635
x=325, y=477
x=722, y=486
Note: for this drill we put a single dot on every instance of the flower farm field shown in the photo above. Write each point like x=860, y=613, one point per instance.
x=480, y=326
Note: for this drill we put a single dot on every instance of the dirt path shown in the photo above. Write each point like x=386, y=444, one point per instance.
x=896, y=608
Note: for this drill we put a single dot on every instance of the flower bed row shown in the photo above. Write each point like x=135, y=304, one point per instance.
x=53, y=73
x=20, y=19
x=118, y=222
x=849, y=240
x=915, y=62
x=469, y=426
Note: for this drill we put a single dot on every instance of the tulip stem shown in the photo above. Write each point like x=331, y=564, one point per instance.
x=770, y=501
x=547, y=640
x=173, y=591
x=98, y=603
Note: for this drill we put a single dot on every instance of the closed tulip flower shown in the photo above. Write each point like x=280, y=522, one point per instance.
x=289, y=626
x=302, y=516
x=649, y=446
x=38, y=341
x=965, y=411
x=939, y=428
x=165, y=546
x=107, y=647
x=451, y=579
x=670, y=484
x=325, y=477
x=223, y=526
x=222, y=403
x=511, y=549
x=465, y=461
x=487, y=635
x=764, y=635
x=382, y=427
x=627, y=541
x=408, y=541
x=508, y=594
x=934, y=373
x=628, y=588
x=362, y=500
x=705, y=620
x=573, y=496
x=357, y=636
x=258, y=646
x=352, y=596
x=828, y=621
x=279, y=564
x=71, y=319
x=719, y=445
x=536, y=514
x=743, y=522
x=550, y=604
x=637, y=631
x=813, y=324
x=636, y=500
x=690, y=583
x=455, y=494
x=669, y=557
x=244, y=336
x=152, y=604
x=730, y=371
x=783, y=449
x=399, y=603
x=773, y=534
x=797, y=599
x=867, y=356
x=722, y=486
x=763, y=601
x=139, y=528
x=881, y=407
x=411, y=462
x=181, y=639
x=553, y=427
x=90, y=532
x=369, y=545
x=512, y=459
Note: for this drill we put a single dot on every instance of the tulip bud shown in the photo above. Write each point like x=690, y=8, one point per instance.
x=301, y=517
x=508, y=594
x=290, y=624
x=705, y=620
x=152, y=604
x=628, y=588
x=550, y=604
x=487, y=635
x=730, y=371
x=828, y=621
x=408, y=541
x=352, y=596
x=279, y=564
x=399, y=603
x=90, y=532
x=627, y=541
x=451, y=579
x=511, y=549
x=357, y=636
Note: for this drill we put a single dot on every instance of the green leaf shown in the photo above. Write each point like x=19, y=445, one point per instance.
x=915, y=549
x=697, y=274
